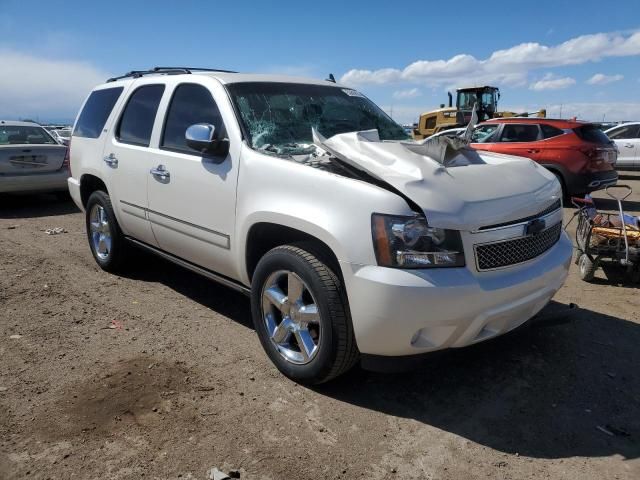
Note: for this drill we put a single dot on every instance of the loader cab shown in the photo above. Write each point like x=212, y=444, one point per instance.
x=486, y=98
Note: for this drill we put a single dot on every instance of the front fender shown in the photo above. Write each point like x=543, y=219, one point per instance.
x=332, y=208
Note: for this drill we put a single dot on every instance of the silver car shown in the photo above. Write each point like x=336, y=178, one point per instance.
x=31, y=160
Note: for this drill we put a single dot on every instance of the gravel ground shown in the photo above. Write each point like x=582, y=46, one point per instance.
x=159, y=374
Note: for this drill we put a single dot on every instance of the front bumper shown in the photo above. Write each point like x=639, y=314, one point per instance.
x=406, y=312
x=36, y=182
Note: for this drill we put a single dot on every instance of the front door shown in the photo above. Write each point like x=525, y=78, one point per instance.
x=128, y=160
x=520, y=139
x=191, y=196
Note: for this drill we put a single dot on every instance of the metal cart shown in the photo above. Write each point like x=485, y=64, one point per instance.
x=605, y=236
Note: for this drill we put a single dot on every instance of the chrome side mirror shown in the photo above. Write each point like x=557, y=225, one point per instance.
x=202, y=138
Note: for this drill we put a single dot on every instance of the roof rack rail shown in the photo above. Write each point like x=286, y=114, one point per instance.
x=196, y=69
x=166, y=71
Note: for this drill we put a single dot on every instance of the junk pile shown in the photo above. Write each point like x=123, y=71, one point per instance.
x=608, y=228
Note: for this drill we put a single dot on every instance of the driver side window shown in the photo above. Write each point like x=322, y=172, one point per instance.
x=191, y=103
x=484, y=134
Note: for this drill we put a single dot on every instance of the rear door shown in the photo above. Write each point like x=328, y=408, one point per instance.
x=627, y=139
x=128, y=158
x=28, y=149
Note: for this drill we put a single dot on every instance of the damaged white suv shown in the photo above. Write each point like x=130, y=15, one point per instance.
x=353, y=242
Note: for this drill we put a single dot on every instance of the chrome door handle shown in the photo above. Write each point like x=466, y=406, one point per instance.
x=160, y=171
x=628, y=145
x=111, y=160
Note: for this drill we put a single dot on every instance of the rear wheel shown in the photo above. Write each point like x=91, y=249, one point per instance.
x=586, y=267
x=301, y=315
x=107, y=243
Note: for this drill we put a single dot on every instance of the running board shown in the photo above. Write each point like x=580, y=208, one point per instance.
x=227, y=282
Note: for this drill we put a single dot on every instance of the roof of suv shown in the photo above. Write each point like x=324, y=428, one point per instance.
x=556, y=122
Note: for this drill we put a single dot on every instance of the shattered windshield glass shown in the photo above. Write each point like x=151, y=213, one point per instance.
x=279, y=117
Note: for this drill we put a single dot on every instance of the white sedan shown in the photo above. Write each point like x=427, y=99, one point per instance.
x=627, y=138
x=31, y=160
x=452, y=132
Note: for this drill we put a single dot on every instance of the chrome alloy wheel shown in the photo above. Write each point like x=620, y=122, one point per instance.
x=100, y=232
x=291, y=316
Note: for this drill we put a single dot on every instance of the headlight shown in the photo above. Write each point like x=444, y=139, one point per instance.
x=408, y=242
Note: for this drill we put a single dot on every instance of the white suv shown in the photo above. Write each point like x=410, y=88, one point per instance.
x=352, y=241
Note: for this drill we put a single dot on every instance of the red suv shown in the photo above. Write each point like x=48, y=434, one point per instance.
x=578, y=153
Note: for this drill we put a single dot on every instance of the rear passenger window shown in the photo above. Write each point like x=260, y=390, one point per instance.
x=549, y=132
x=137, y=119
x=96, y=111
x=190, y=104
x=519, y=133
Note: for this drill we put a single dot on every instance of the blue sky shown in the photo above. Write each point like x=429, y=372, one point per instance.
x=404, y=58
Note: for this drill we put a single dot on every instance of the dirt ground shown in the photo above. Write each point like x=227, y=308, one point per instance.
x=159, y=374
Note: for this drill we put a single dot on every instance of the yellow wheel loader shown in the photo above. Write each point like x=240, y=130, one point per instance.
x=486, y=97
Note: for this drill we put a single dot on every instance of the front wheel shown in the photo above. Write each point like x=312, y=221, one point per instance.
x=301, y=315
x=587, y=267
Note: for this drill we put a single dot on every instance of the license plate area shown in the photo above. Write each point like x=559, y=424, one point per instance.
x=28, y=161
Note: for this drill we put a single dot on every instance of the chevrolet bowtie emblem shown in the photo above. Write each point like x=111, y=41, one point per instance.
x=534, y=227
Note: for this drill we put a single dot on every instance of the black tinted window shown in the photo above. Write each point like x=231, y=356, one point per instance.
x=96, y=111
x=137, y=120
x=430, y=123
x=519, y=133
x=625, y=132
x=190, y=104
x=548, y=131
x=591, y=133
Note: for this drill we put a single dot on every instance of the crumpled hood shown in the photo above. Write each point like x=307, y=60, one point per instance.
x=457, y=187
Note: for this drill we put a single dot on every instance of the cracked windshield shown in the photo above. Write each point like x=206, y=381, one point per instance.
x=279, y=117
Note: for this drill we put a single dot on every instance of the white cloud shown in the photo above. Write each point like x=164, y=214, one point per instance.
x=41, y=87
x=510, y=66
x=551, y=82
x=596, y=111
x=602, y=79
x=405, y=94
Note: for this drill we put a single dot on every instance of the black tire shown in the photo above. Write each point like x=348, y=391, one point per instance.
x=336, y=350
x=579, y=253
x=117, y=253
x=587, y=268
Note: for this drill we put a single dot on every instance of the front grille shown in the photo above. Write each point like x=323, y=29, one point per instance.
x=551, y=208
x=511, y=252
